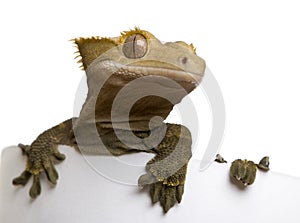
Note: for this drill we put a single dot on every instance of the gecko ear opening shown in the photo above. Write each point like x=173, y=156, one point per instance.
x=91, y=48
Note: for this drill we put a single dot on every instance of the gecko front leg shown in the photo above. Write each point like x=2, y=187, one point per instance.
x=166, y=172
x=40, y=156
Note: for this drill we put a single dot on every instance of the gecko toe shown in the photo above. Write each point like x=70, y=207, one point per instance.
x=51, y=172
x=24, y=148
x=179, y=192
x=168, y=198
x=35, y=189
x=155, y=192
x=22, y=179
x=146, y=179
x=59, y=156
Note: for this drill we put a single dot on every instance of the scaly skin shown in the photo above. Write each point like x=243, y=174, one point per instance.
x=41, y=153
x=123, y=59
x=244, y=171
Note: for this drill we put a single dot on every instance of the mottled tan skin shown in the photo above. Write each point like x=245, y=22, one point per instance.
x=140, y=54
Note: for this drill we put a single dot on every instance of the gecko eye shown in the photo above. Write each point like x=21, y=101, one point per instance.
x=135, y=46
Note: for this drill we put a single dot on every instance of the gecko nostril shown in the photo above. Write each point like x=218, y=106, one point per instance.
x=184, y=60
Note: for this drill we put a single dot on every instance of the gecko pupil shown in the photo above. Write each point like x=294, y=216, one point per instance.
x=135, y=46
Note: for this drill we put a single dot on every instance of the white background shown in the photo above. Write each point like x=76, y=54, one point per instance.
x=252, y=48
x=270, y=193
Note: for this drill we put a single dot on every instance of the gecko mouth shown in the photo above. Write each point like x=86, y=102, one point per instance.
x=169, y=71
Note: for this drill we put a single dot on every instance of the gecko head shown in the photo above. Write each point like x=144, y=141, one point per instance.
x=137, y=53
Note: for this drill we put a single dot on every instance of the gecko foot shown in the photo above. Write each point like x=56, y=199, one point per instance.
x=244, y=171
x=167, y=191
x=39, y=160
